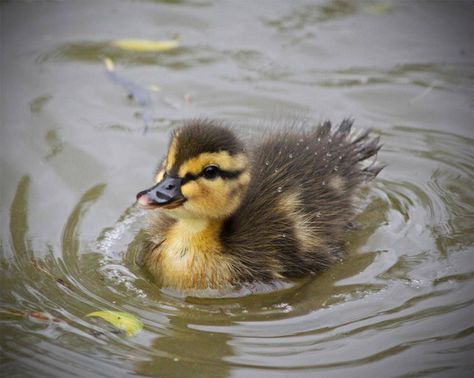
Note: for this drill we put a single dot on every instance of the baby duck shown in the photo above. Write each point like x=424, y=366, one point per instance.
x=230, y=214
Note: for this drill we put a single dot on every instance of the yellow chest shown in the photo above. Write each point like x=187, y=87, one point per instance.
x=190, y=257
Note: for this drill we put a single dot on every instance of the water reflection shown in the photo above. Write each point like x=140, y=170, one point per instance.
x=180, y=58
x=187, y=350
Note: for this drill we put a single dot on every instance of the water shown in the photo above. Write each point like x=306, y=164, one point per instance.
x=74, y=154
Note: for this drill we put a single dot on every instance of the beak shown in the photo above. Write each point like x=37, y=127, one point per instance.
x=166, y=194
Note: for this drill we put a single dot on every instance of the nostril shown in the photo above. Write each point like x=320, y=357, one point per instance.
x=170, y=186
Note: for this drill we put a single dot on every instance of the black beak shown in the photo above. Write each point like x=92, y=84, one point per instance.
x=167, y=193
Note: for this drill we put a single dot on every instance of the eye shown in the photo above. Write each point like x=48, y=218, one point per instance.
x=210, y=172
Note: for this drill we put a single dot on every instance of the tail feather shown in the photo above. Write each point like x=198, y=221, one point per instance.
x=369, y=149
x=363, y=147
x=375, y=170
x=324, y=130
x=361, y=137
x=345, y=126
x=359, y=147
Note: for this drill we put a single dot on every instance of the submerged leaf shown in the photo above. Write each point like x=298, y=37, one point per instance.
x=42, y=316
x=378, y=8
x=145, y=44
x=33, y=315
x=122, y=320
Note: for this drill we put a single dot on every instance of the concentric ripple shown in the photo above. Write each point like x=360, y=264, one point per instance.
x=403, y=293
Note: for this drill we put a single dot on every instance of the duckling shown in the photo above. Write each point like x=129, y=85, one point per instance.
x=229, y=214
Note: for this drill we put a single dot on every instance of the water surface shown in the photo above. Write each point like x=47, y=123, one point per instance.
x=74, y=153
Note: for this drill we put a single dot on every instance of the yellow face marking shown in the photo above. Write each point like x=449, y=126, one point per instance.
x=171, y=158
x=208, y=198
x=222, y=159
x=161, y=173
x=159, y=176
x=217, y=198
x=244, y=178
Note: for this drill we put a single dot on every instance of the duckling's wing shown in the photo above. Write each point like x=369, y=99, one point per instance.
x=299, y=202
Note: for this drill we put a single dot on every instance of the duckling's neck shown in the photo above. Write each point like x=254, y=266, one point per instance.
x=191, y=256
x=198, y=235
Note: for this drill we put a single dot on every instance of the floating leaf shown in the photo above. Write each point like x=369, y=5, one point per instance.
x=145, y=45
x=122, y=320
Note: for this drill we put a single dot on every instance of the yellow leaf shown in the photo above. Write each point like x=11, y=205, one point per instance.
x=122, y=320
x=145, y=45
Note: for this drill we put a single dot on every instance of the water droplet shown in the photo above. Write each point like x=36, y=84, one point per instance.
x=279, y=189
x=328, y=154
x=301, y=140
x=329, y=140
x=319, y=139
x=307, y=147
x=267, y=163
x=283, y=235
x=315, y=154
x=318, y=214
x=276, y=170
x=340, y=157
x=335, y=169
x=324, y=183
x=290, y=156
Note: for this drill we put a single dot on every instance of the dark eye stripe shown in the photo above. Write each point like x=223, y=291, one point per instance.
x=229, y=174
x=220, y=173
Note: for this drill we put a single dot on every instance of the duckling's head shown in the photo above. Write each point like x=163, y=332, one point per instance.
x=204, y=175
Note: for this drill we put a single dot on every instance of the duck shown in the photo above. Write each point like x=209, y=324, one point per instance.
x=224, y=212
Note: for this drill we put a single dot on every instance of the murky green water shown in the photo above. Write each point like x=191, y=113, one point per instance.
x=74, y=154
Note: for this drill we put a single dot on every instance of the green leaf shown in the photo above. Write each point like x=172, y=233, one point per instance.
x=122, y=320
